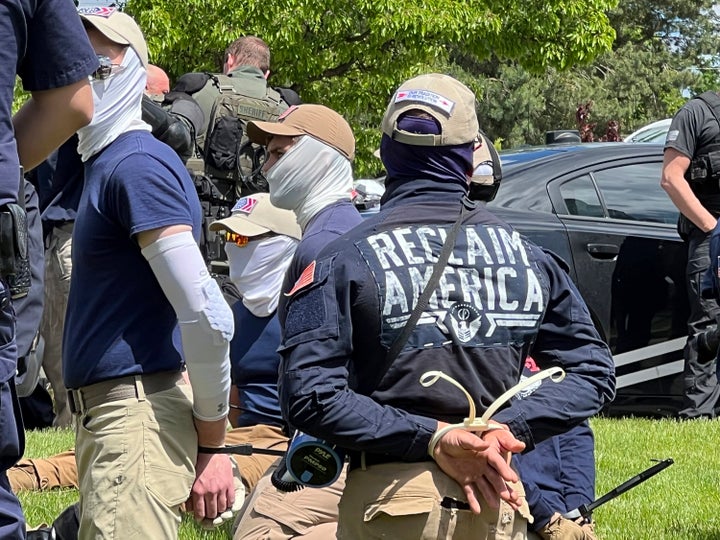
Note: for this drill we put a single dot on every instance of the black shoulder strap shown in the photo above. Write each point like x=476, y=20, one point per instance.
x=432, y=284
x=190, y=83
x=497, y=166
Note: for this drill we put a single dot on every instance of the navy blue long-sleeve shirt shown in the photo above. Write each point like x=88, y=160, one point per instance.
x=500, y=297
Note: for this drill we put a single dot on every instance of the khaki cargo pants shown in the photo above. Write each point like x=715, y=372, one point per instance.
x=404, y=501
x=136, y=465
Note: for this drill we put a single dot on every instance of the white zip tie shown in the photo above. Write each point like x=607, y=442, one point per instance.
x=482, y=424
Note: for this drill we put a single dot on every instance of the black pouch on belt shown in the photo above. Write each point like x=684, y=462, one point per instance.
x=14, y=260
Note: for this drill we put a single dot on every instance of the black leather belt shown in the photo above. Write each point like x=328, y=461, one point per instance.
x=366, y=459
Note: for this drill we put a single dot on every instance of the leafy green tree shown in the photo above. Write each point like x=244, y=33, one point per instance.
x=664, y=52
x=350, y=54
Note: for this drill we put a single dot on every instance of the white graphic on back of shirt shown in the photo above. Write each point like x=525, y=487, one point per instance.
x=488, y=283
x=465, y=321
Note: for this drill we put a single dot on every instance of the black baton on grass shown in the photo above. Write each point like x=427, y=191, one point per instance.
x=585, y=510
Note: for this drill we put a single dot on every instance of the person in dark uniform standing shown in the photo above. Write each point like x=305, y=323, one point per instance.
x=43, y=42
x=377, y=365
x=691, y=178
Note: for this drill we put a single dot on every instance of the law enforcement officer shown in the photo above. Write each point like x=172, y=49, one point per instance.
x=35, y=402
x=226, y=166
x=246, y=69
x=352, y=376
x=43, y=42
x=144, y=442
x=691, y=178
x=175, y=125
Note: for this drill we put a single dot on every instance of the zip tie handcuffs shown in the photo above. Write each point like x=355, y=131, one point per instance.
x=482, y=424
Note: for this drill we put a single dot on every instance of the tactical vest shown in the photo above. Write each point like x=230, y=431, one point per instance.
x=703, y=174
x=227, y=152
x=226, y=164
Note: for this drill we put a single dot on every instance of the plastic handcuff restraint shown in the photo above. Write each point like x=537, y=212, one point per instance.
x=482, y=424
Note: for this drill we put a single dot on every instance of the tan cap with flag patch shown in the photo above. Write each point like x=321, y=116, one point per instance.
x=255, y=215
x=118, y=27
x=444, y=98
x=318, y=121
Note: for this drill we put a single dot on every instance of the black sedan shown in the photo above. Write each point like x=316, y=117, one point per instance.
x=600, y=207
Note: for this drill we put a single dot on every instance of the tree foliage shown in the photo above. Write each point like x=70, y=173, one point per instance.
x=351, y=54
x=665, y=51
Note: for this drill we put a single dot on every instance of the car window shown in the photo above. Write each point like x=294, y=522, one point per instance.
x=581, y=198
x=630, y=192
x=634, y=192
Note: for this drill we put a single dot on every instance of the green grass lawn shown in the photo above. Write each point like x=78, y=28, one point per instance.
x=680, y=503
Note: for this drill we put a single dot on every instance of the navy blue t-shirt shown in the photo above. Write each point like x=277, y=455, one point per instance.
x=255, y=362
x=118, y=320
x=44, y=41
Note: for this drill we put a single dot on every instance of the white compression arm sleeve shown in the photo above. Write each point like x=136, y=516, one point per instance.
x=206, y=321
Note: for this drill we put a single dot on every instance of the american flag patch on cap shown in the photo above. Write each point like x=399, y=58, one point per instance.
x=99, y=11
x=425, y=96
x=244, y=205
x=305, y=279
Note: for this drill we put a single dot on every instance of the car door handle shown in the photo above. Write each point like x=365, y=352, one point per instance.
x=603, y=251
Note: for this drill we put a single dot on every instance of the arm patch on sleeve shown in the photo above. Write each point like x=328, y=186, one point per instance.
x=312, y=312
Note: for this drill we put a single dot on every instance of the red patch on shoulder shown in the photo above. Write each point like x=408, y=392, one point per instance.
x=305, y=279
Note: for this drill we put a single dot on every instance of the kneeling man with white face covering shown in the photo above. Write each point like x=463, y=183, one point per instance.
x=309, y=171
x=260, y=241
x=143, y=439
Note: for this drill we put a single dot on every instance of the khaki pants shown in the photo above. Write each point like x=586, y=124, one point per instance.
x=136, y=465
x=58, y=267
x=269, y=514
x=58, y=471
x=402, y=501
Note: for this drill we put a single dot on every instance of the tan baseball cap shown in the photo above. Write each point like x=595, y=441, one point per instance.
x=444, y=98
x=255, y=215
x=318, y=121
x=118, y=27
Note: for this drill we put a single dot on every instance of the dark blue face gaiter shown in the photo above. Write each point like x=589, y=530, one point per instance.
x=410, y=162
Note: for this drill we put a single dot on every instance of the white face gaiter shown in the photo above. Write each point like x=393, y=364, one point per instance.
x=258, y=270
x=309, y=177
x=118, y=106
